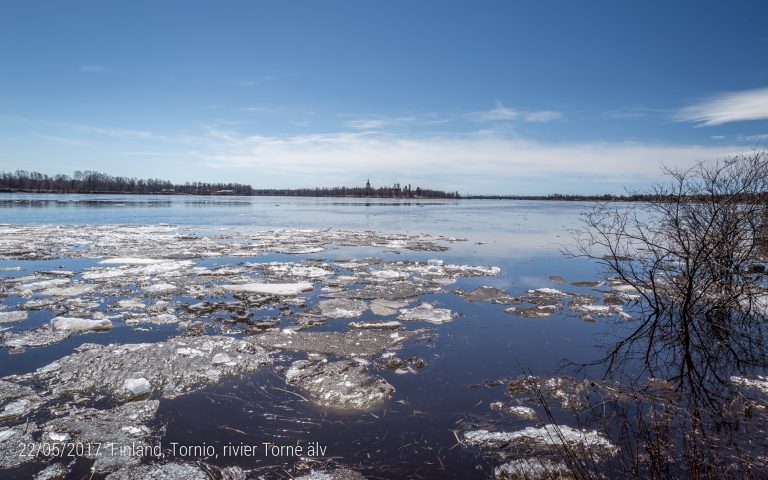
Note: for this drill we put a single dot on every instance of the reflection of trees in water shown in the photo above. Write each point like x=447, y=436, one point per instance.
x=693, y=257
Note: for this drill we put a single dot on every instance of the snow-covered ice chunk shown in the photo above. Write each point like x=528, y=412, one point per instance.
x=426, y=312
x=136, y=387
x=9, y=317
x=280, y=289
x=71, y=324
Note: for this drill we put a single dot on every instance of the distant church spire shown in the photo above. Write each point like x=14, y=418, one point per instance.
x=368, y=184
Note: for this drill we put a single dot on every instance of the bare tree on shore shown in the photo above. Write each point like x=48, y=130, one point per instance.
x=691, y=254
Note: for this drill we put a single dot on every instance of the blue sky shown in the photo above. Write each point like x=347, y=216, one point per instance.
x=481, y=97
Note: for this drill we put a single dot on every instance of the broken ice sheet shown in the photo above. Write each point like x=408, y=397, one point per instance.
x=548, y=435
x=171, y=368
x=426, y=312
x=533, y=469
x=279, y=289
x=177, y=471
x=111, y=429
x=362, y=343
x=143, y=245
x=12, y=317
x=342, y=308
x=341, y=384
x=10, y=439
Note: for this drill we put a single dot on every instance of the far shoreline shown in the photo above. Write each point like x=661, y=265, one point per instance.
x=554, y=197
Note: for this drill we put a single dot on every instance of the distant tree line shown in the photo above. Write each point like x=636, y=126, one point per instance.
x=395, y=191
x=96, y=182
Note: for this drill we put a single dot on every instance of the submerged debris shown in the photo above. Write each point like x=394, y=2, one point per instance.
x=339, y=384
x=570, y=393
x=489, y=294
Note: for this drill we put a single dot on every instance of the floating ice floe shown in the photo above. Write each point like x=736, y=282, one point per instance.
x=279, y=289
x=386, y=308
x=294, y=270
x=758, y=382
x=11, y=317
x=591, y=440
x=489, y=294
x=113, y=429
x=55, y=471
x=342, y=308
x=426, y=312
x=391, y=325
x=533, y=469
x=10, y=439
x=537, y=311
x=364, y=343
x=136, y=387
x=149, y=243
x=174, y=367
x=339, y=384
x=177, y=471
x=71, y=324
x=337, y=474
x=39, y=337
x=515, y=410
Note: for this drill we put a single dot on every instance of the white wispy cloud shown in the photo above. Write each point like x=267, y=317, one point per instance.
x=93, y=69
x=116, y=132
x=460, y=156
x=74, y=142
x=490, y=160
x=253, y=81
x=500, y=113
x=757, y=138
x=497, y=113
x=543, y=116
x=728, y=107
